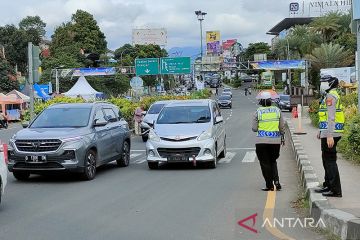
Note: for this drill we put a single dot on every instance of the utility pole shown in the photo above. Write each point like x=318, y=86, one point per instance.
x=57, y=90
x=31, y=80
x=289, y=70
x=200, y=16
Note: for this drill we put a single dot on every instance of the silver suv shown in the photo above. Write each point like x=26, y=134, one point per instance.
x=71, y=137
x=187, y=131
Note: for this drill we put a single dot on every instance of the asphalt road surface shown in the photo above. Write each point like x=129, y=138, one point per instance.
x=175, y=202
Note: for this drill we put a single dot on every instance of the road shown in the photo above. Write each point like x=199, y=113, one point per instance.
x=174, y=202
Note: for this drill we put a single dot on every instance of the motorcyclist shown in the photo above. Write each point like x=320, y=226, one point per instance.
x=3, y=120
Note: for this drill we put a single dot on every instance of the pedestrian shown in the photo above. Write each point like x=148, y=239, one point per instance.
x=269, y=125
x=249, y=90
x=138, y=115
x=217, y=91
x=246, y=91
x=331, y=125
x=3, y=121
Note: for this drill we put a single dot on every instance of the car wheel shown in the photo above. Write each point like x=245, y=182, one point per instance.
x=90, y=165
x=124, y=161
x=213, y=163
x=21, y=176
x=223, y=153
x=153, y=165
x=145, y=137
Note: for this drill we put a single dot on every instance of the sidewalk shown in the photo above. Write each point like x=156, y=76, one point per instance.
x=349, y=172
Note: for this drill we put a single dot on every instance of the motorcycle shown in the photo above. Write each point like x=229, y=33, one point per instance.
x=4, y=124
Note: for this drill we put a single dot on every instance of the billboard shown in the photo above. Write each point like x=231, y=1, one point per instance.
x=213, y=42
x=212, y=36
x=102, y=71
x=156, y=36
x=346, y=74
x=316, y=8
x=279, y=65
x=226, y=45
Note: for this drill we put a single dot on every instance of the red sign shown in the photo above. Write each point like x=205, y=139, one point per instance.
x=228, y=43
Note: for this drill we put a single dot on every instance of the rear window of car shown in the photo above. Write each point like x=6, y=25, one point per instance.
x=285, y=98
x=225, y=97
x=155, y=108
x=226, y=90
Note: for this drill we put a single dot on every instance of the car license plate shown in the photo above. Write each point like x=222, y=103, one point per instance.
x=35, y=159
x=178, y=159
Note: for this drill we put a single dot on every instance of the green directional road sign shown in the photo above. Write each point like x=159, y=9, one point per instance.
x=146, y=66
x=178, y=65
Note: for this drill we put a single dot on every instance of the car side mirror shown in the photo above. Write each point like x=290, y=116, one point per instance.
x=99, y=124
x=219, y=119
x=25, y=124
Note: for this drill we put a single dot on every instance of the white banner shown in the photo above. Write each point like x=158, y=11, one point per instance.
x=346, y=74
x=157, y=36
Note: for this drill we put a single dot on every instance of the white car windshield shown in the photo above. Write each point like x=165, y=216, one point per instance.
x=184, y=115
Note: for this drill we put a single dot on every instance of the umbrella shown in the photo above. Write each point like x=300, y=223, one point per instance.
x=273, y=94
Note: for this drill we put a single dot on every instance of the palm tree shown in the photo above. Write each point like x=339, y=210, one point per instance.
x=327, y=26
x=330, y=56
x=303, y=40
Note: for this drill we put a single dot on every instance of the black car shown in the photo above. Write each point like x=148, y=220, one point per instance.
x=284, y=102
x=215, y=83
x=225, y=101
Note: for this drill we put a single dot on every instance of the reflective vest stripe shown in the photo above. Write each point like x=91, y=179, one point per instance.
x=268, y=118
x=339, y=114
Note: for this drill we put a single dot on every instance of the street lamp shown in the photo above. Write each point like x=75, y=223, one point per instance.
x=200, y=16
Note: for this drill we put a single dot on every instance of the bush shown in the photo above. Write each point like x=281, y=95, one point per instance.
x=350, y=99
x=313, y=112
x=350, y=143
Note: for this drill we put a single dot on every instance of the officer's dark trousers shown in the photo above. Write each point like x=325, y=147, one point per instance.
x=332, y=177
x=267, y=155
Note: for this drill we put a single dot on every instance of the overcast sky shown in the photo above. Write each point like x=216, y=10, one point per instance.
x=246, y=20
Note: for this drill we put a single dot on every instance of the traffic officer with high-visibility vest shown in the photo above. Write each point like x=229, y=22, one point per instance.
x=269, y=125
x=331, y=125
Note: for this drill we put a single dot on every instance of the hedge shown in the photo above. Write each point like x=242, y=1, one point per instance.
x=126, y=106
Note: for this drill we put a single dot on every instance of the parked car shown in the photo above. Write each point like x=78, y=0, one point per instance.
x=225, y=101
x=150, y=117
x=187, y=131
x=77, y=137
x=284, y=102
x=3, y=172
x=227, y=91
x=214, y=83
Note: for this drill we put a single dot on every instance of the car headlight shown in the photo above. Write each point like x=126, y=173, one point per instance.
x=153, y=136
x=205, y=135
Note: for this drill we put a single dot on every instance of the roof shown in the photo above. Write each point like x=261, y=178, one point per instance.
x=288, y=23
x=19, y=95
x=164, y=101
x=82, y=88
x=200, y=102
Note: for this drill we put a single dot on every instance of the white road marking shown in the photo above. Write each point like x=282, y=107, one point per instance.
x=140, y=161
x=249, y=157
x=134, y=155
x=227, y=119
x=227, y=159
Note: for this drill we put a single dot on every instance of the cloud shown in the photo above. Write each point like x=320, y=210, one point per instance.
x=247, y=20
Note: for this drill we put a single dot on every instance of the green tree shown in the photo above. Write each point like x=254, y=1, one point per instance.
x=256, y=48
x=88, y=33
x=330, y=56
x=7, y=80
x=327, y=26
x=33, y=23
x=15, y=42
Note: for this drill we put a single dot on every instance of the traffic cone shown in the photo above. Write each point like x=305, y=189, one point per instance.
x=299, y=130
x=294, y=112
